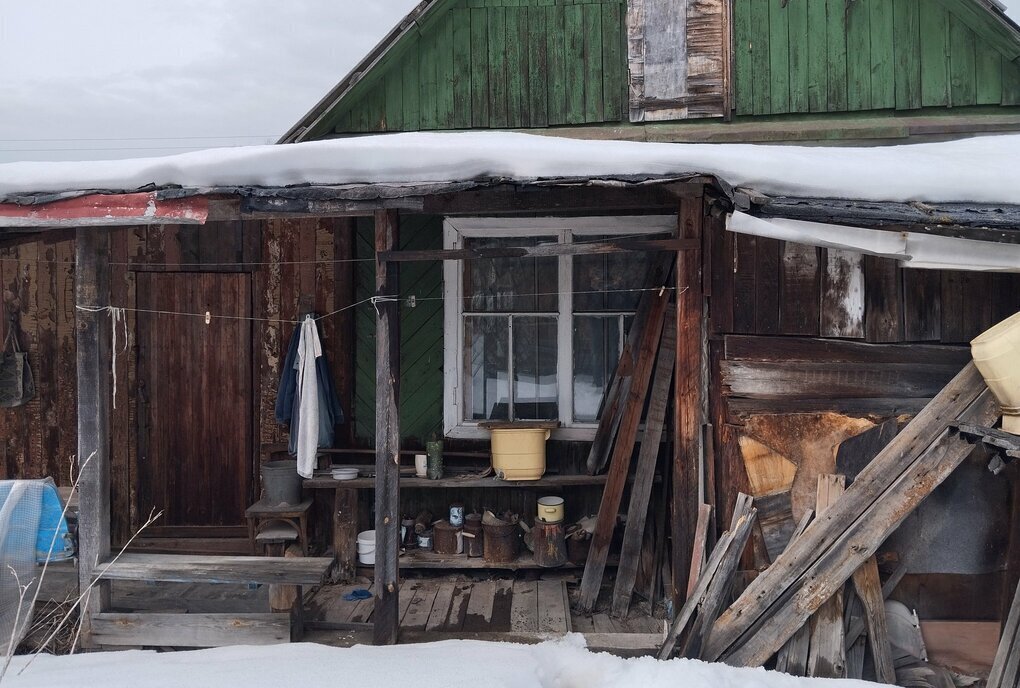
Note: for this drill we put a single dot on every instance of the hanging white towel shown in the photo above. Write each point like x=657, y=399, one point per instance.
x=306, y=403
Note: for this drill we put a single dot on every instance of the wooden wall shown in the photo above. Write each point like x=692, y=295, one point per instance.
x=801, y=56
x=292, y=267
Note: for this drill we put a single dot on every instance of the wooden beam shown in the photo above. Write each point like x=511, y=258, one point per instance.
x=387, y=434
x=793, y=656
x=827, y=649
x=107, y=210
x=543, y=250
x=690, y=395
x=869, y=591
x=644, y=473
x=700, y=547
x=94, y=361
x=191, y=630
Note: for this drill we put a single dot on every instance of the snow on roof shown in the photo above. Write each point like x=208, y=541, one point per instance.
x=980, y=170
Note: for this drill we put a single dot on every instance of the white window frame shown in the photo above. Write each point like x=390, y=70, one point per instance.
x=563, y=229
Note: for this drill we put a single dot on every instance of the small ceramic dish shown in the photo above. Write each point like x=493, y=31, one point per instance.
x=345, y=473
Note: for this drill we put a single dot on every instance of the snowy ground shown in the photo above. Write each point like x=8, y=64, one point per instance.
x=449, y=664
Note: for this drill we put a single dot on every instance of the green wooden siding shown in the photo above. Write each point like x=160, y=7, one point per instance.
x=497, y=64
x=421, y=334
x=801, y=56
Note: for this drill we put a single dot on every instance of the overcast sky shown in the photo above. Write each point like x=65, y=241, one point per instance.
x=91, y=80
x=128, y=78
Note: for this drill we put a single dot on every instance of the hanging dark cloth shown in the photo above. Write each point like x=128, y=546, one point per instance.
x=330, y=412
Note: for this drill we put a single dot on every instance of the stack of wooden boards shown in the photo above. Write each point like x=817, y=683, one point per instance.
x=810, y=607
x=644, y=373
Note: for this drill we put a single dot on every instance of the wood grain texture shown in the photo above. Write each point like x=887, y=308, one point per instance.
x=191, y=630
x=827, y=647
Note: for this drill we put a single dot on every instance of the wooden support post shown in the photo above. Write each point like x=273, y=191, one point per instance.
x=690, y=395
x=345, y=527
x=387, y=434
x=92, y=290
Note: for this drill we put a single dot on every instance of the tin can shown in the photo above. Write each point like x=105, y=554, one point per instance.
x=457, y=515
x=425, y=541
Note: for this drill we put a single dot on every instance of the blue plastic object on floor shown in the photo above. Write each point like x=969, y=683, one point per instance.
x=51, y=522
x=359, y=594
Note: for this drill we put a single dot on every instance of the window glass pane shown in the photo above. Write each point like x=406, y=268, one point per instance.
x=535, y=386
x=486, y=368
x=502, y=285
x=596, y=353
x=600, y=280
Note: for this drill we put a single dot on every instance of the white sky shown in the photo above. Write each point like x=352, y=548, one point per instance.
x=127, y=78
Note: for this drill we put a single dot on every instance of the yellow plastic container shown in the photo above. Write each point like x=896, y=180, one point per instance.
x=996, y=353
x=519, y=453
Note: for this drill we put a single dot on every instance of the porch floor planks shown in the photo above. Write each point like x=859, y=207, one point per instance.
x=416, y=617
x=441, y=607
x=524, y=607
x=553, y=610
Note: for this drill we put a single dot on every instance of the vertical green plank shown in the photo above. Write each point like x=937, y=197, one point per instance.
x=538, y=67
x=573, y=28
x=818, y=61
x=594, y=110
x=359, y=115
x=394, y=98
x=907, y=53
x=989, y=74
x=462, y=68
x=479, y=67
x=1010, y=82
x=743, y=84
x=497, y=67
x=517, y=66
x=835, y=26
x=427, y=76
x=858, y=56
x=557, y=55
x=962, y=74
x=411, y=77
x=796, y=17
x=934, y=56
x=613, y=62
x=444, y=72
x=883, y=83
x=779, y=56
x=761, y=98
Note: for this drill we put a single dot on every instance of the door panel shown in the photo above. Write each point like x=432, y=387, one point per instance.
x=194, y=400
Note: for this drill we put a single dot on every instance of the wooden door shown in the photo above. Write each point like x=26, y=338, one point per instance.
x=194, y=402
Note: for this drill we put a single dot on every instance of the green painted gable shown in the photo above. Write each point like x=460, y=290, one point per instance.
x=496, y=64
x=799, y=56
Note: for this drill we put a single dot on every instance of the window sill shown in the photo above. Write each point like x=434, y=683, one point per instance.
x=473, y=432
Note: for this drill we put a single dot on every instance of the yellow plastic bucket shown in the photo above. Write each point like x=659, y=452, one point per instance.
x=996, y=353
x=519, y=453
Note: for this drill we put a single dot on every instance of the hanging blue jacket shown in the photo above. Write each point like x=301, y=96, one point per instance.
x=330, y=412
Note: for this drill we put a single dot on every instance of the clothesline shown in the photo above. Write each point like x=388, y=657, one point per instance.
x=209, y=315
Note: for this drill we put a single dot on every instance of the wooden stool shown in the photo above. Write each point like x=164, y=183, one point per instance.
x=260, y=515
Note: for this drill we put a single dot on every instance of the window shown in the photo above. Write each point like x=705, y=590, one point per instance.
x=537, y=338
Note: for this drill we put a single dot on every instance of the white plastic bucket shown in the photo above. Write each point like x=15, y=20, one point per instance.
x=366, y=547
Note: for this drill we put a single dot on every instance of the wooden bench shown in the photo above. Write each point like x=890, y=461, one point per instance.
x=206, y=630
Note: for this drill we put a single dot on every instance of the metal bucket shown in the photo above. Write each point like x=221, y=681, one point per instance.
x=281, y=483
x=500, y=542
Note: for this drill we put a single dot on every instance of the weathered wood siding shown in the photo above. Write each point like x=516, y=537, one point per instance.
x=39, y=439
x=799, y=56
x=497, y=64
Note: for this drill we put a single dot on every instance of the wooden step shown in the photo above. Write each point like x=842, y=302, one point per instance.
x=190, y=630
x=184, y=568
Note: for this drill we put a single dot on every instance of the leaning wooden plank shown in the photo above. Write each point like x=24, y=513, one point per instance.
x=748, y=613
x=619, y=466
x=613, y=402
x=827, y=648
x=644, y=473
x=700, y=545
x=869, y=590
x=191, y=630
x=1009, y=649
x=850, y=543
x=775, y=516
x=792, y=657
x=680, y=623
x=718, y=589
x=184, y=568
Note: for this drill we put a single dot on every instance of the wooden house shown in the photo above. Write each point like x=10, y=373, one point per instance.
x=784, y=350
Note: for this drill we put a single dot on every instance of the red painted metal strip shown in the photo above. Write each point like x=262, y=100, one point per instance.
x=107, y=210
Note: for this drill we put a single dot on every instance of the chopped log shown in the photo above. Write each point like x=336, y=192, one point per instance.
x=827, y=650
x=700, y=547
x=619, y=467
x=644, y=473
x=792, y=657
x=779, y=601
x=1007, y=657
x=869, y=591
